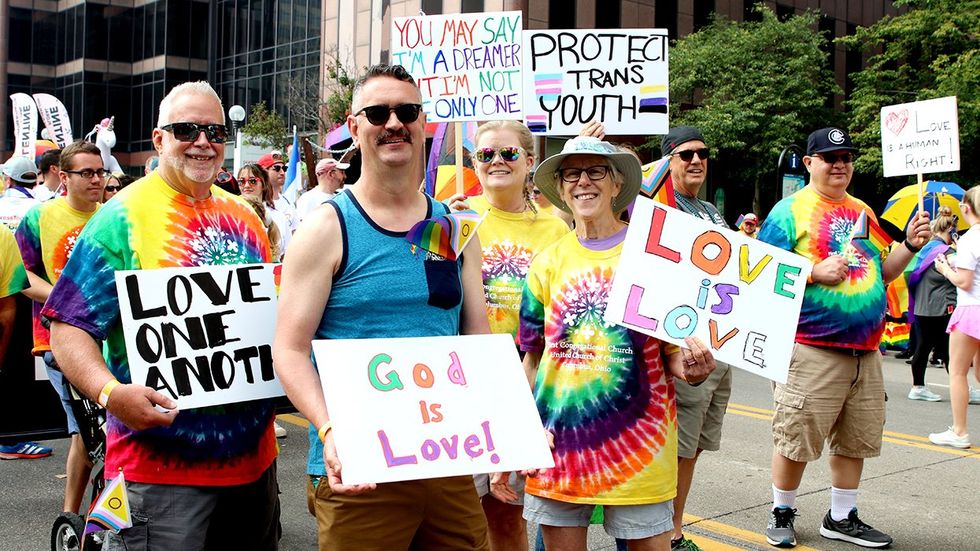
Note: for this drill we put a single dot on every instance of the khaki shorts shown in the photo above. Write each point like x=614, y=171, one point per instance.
x=440, y=513
x=830, y=395
x=701, y=411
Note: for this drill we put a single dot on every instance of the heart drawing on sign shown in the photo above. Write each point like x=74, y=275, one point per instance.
x=895, y=121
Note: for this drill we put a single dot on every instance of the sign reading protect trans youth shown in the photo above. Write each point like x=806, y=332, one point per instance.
x=618, y=77
x=468, y=66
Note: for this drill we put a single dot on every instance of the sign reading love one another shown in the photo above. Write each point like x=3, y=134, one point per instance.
x=682, y=276
x=408, y=409
x=921, y=137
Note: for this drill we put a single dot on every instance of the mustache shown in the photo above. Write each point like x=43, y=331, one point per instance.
x=387, y=135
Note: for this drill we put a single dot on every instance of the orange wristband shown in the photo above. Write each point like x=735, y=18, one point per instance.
x=322, y=433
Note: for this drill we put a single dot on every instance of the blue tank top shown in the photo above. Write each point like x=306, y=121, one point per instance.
x=383, y=289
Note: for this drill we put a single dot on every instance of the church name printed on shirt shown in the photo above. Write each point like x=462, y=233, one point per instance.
x=201, y=335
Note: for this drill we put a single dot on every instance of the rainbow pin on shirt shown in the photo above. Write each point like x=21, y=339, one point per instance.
x=445, y=235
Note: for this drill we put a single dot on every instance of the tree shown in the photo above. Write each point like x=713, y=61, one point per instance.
x=265, y=128
x=930, y=51
x=305, y=103
x=752, y=88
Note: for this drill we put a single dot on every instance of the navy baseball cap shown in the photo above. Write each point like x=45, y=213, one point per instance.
x=829, y=139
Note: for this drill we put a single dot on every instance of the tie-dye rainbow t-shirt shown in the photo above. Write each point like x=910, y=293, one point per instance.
x=149, y=225
x=46, y=236
x=852, y=313
x=601, y=389
x=13, y=277
x=509, y=242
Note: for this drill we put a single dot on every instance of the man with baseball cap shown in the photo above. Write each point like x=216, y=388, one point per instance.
x=19, y=175
x=835, y=391
x=748, y=224
x=701, y=408
x=330, y=177
x=273, y=164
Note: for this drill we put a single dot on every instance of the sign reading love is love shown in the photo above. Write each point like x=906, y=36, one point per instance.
x=921, y=137
x=468, y=66
x=407, y=409
x=682, y=276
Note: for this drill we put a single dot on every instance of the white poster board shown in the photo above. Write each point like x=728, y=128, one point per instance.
x=921, y=137
x=683, y=276
x=616, y=76
x=407, y=409
x=468, y=65
x=201, y=335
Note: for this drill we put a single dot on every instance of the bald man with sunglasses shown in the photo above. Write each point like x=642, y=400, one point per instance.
x=201, y=478
x=700, y=408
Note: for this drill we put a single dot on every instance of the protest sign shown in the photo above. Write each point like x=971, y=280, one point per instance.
x=618, y=77
x=921, y=137
x=201, y=335
x=682, y=276
x=407, y=409
x=468, y=65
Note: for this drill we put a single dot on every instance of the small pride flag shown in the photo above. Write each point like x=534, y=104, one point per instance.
x=111, y=510
x=445, y=235
x=657, y=184
x=653, y=98
x=868, y=237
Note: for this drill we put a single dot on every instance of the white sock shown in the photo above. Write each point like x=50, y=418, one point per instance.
x=841, y=502
x=783, y=498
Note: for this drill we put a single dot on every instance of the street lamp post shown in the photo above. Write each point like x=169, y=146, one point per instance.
x=237, y=114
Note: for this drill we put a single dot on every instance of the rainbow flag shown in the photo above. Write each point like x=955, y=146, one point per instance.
x=657, y=184
x=916, y=269
x=445, y=235
x=867, y=237
x=896, y=336
x=111, y=510
x=440, y=177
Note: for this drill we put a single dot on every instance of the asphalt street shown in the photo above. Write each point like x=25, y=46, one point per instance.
x=925, y=496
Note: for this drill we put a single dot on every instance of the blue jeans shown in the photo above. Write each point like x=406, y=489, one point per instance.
x=539, y=543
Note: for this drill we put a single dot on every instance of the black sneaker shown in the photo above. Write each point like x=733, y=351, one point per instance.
x=780, y=531
x=854, y=531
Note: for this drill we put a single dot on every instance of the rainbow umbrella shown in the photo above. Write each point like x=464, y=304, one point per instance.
x=902, y=206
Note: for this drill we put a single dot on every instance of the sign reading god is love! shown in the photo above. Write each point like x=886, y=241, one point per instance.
x=682, y=276
x=921, y=137
x=201, y=335
x=468, y=66
x=407, y=409
x=618, y=77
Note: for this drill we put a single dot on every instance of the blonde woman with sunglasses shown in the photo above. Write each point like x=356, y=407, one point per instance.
x=511, y=235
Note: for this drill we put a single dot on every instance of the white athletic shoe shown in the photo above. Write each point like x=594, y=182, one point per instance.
x=974, y=395
x=280, y=432
x=950, y=438
x=924, y=394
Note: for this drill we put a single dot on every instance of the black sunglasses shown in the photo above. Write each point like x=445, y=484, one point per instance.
x=88, y=173
x=847, y=157
x=112, y=188
x=507, y=153
x=278, y=168
x=688, y=154
x=379, y=114
x=189, y=131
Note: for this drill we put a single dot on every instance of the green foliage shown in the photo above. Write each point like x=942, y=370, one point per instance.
x=341, y=88
x=265, y=128
x=755, y=87
x=931, y=51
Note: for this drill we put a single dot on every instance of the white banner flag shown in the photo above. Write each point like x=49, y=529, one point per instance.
x=25, y=124
x=55, y=118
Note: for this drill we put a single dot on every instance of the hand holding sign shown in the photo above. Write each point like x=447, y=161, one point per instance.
x=136, y=406
x=334, y=468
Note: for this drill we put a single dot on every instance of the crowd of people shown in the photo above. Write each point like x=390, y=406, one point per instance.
x=626, y=429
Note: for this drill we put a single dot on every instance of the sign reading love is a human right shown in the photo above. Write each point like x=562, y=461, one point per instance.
x=921, y=137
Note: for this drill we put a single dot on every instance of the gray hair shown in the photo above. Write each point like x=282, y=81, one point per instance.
x=200, y=87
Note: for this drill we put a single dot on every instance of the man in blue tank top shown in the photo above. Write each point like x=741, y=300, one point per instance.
x=351, y=274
